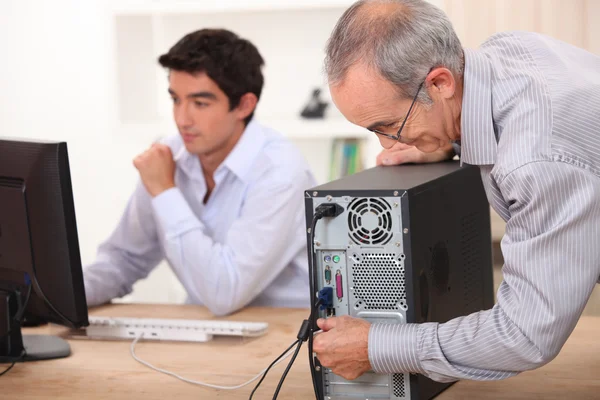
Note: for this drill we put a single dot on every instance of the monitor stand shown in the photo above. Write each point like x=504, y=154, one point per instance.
x=17, y=347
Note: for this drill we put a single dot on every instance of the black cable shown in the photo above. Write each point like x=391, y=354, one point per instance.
x=311, y=319
x=328, y=210
x=271, y=366
x=23, y=353
x=17, y=319
x=307, y=330
x=287, y=370
x=8, y=369
x=19, y=314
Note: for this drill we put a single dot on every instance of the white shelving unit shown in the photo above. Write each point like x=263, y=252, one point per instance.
x=293, y=128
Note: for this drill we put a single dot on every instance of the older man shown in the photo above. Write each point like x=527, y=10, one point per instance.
x=524, y=108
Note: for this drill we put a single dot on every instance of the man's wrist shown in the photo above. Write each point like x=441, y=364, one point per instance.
x=161, y=189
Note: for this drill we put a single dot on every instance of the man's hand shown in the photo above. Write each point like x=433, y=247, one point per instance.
x=343, y=346
x=402, y=153
x=157, y=169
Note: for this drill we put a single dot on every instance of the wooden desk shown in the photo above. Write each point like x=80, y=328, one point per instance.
x=105, y=369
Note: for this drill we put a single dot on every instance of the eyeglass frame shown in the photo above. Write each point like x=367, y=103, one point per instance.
x=399, y=138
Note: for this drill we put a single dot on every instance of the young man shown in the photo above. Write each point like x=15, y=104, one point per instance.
x=223, y=200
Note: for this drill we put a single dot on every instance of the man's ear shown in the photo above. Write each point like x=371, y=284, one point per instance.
x=441, y=83
x=246, y=106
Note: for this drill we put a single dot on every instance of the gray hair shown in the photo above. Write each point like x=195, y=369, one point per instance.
x=402, y=43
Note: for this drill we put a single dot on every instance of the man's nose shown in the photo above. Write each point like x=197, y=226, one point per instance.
x=182, y=116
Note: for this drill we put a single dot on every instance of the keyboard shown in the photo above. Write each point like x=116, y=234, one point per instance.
x=180, y=330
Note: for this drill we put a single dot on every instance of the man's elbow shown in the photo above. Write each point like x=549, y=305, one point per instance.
x=540, y=354
x=222, y=307
x=547, y=354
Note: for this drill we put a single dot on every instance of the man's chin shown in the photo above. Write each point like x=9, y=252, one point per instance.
x=431, y=146
x=198, y=150
x=428, y=147
x=193, y=148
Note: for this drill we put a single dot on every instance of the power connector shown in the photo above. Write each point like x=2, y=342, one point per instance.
x=329, y=210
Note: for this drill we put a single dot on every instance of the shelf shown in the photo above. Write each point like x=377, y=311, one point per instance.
x=161, y=7
x=297, y=128
x=290, y=128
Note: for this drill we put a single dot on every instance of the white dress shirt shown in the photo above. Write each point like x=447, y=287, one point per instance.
x=531, y=122
x=245, y=246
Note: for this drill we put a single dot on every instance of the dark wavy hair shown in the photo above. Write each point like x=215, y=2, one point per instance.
x=232, y=62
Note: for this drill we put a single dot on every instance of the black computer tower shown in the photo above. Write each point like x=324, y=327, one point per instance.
x=412, y=245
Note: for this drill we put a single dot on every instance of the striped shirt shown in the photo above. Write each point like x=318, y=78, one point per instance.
x=531, y=122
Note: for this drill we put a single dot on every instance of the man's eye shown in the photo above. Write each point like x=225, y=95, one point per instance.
x=387, y=127
x=175, y=100
x=200, y=104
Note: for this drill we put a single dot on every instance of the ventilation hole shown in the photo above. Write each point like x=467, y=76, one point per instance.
x=381, y=209
x=379, y=282
x=398, y=383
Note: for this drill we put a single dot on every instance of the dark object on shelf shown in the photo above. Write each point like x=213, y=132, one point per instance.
x=315, y=107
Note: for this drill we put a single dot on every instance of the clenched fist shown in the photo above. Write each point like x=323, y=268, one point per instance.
x=157, y=169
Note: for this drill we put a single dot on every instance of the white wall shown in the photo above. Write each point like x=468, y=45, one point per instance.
x=58, y=82
x=56, y=79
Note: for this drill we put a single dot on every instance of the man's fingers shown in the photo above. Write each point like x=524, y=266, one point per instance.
x=390, y=154
x=137, y=161
x=410, y=155
x=327, y=324
x=318, y=344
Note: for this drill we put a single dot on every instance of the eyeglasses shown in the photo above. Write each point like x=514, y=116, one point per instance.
x=397, y=137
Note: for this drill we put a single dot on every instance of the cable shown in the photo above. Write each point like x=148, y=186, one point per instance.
x=18, y=315
x=162, y=371
x=306, y=332
x=67, y=322
x=8, y=369
x=323, y=210
x=23, y=353
x=270, y=366
x=312, y=283
x=17, y=320
x=287, y=370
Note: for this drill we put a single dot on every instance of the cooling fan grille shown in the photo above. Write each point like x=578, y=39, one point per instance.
x=370, y=221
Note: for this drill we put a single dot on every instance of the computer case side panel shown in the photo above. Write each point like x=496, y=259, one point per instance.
x=450, y=245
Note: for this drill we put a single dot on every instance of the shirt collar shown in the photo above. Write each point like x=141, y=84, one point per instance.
x=245, y=152
x=239, y=160
x=478, y=139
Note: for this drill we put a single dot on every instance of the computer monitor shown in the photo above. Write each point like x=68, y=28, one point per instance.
x=40, y=265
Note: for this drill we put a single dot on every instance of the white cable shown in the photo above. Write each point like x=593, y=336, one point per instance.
x=147, y=364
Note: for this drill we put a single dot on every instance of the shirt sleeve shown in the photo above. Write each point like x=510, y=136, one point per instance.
x=552, y=262
x=129, y=254
x=227, y=276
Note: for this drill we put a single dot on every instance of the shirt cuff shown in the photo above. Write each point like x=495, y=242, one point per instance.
x=173, y=213
x=393, y=348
